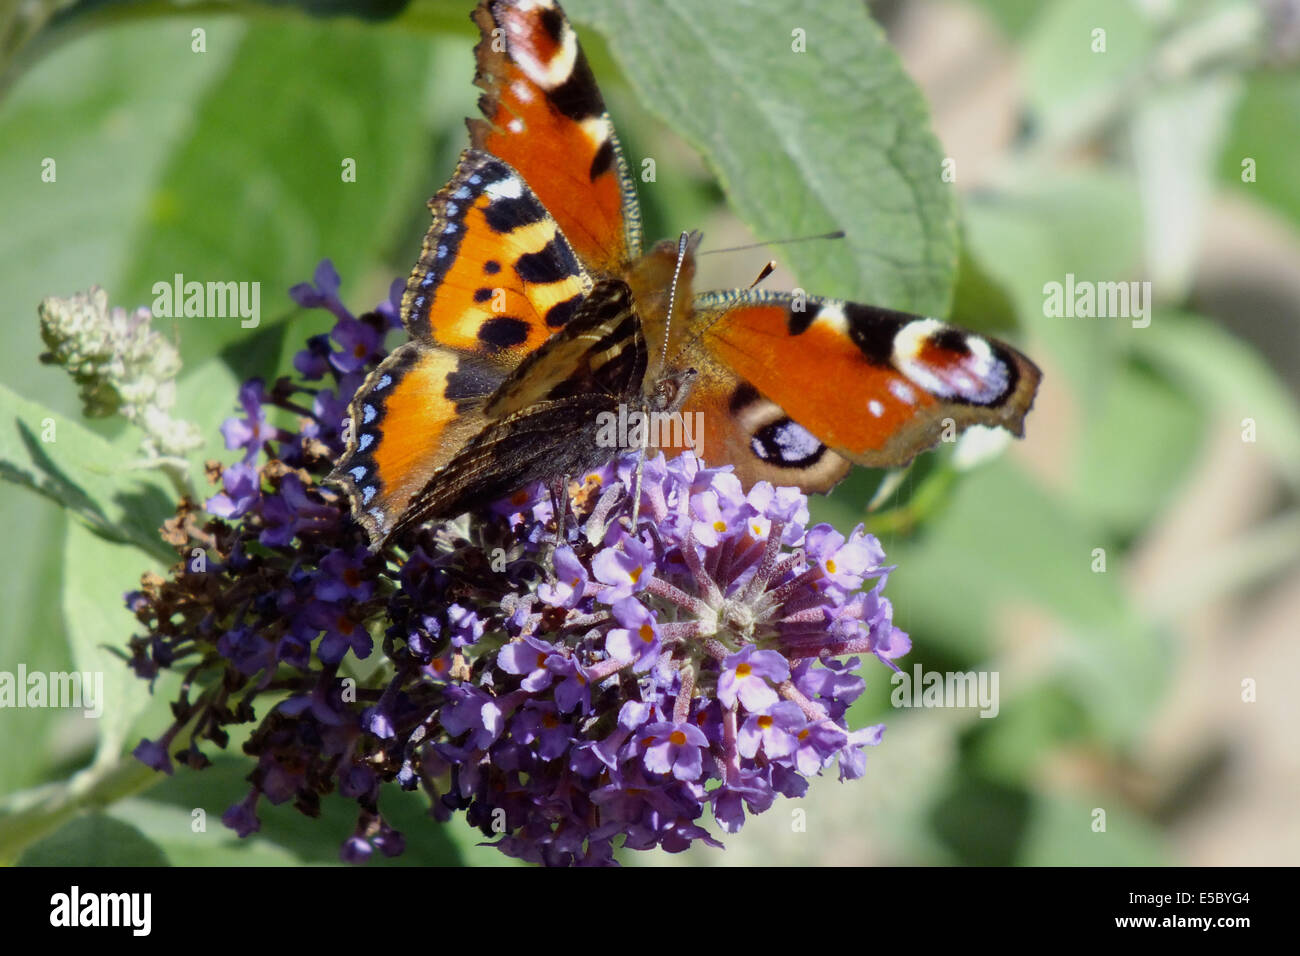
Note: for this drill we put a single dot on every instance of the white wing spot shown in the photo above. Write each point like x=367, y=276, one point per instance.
x=512, y=187
x=902, y=392
x=978, y=376
x=794, y=442
x=551, y=73
x=597, y=130
x=832, y=314
x=522, y=91
x=908, y=343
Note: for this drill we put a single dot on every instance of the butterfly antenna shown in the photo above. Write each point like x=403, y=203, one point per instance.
x=683, y=242
x=835, y=234
x=703, y=327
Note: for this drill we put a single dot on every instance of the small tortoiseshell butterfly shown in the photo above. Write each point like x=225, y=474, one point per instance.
x=531, y=307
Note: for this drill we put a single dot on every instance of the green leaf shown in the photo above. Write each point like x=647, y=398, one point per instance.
x=97, y=482
x=1060, y=832
x=107, y=108
x=1137, y=444
x=1265, y=131
x=96, y=574
x=981, y=820
x=1005, y=541
x=802, y=142
x=173, y=830
x=1014, y=17
x=285, y=831
x=1178, y=131
x=32, y=633
x=256, y=192
x=1072, y=72
x=1230, y=380
x=95, y=840
x=1027, y=732
x=1051, y=225
x=980, y=302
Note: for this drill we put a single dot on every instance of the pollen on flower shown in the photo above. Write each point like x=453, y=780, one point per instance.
x=597, y=694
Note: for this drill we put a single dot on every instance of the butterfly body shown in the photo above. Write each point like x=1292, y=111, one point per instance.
x=534, y=316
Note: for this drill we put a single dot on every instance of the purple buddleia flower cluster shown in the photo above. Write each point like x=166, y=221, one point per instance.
x=573, y=684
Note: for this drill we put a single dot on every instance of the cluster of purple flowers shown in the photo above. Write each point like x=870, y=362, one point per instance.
x=572, y=684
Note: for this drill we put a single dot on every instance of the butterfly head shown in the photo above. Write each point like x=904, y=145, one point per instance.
x=669, y=392
x=661, y=278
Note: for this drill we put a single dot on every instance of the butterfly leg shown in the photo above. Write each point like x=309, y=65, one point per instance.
x=636, y=490
x=560, y=508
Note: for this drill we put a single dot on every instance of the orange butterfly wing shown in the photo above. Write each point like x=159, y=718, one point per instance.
x=540, y=201
x=496, y=275
x=795, y=388
x=544, y=115
x=495, y=281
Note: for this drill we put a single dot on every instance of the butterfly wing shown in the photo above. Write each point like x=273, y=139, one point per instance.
x=542, y=198
x=794, y=389
x=734, y=424
x=543, y=114
x=412, y=414
x=603, y=351
x=495, y=281
x=496, y=275
x=545, y=420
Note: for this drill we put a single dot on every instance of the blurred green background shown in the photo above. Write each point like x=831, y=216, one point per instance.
x=1168, y=156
